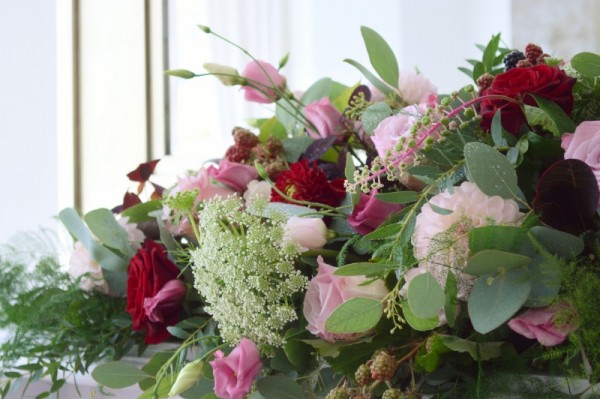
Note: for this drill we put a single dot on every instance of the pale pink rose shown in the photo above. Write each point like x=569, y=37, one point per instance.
x=414, y=88
x=234, y=374
x=264, y=77
x=202, y=182
x=389, y=131
x=324, y=117
x=135, y=236
x=167, y=300
x=584, y=145
x=470, y=208
x=370, y=212
x=549, y=326
x=308, y=233
x=326, y=292
x=81, y=263
x=233, y=174
x=257, y=189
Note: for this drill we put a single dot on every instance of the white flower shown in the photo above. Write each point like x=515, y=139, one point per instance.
x=81, y=263
x=309, y=233
x=441, y=242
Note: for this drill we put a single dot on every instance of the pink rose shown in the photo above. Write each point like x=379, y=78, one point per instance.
x=415, y=88
x=324, y=117
x=202, y=182
x=549, y=326
x=584, y=145
x=166, y=301
x=262, y=78
x=235, y=373
x=235, y=175
x=326, y=292
x=309, y=233
x=370, y=212
x=389, y=131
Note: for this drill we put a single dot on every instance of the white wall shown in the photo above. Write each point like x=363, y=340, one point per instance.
x=28, y=134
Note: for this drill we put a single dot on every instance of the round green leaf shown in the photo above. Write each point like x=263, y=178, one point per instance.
x=491, y=171
x=118, y=375
x=279, y=387
x=557, y=242
x=587, y=64
x=354, y=316
x=418, y=323
x=492, y=261
x=425, y=296
x=495, y=299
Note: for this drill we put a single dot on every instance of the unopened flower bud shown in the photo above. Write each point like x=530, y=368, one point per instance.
x=187, y=377
x=227, y=75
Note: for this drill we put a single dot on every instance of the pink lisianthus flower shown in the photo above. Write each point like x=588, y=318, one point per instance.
x=167, y=300
x=550, y=326
x=326, y=119
x=234, y=374
x=308, y=233
x=413, y=88
x=134, y=235
x=233, y=174
x=584, y=145
x=263, y=79
x=370, y=212
x=326, y=292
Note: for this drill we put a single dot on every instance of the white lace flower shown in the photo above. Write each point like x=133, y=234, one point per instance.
x=441, y=241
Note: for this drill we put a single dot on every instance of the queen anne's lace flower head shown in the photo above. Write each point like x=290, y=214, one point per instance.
x=441, y=242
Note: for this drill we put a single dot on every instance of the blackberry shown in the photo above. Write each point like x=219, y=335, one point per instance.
x=274, y=146
x=244, y=138
x=237, y=154
x=339, y=393
x=533, y=52
x=363, y=375
x=393, y=394
x=383, y=367
x=510, y=60
x=484, y=82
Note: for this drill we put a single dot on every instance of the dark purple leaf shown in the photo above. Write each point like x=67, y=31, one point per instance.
x=317, y=148
x=143, y=171
x=567, y=196
x=362, y=89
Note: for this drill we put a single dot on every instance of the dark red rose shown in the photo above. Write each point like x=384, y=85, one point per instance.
x=546, y=81
x=307, y=182
x=149, y=271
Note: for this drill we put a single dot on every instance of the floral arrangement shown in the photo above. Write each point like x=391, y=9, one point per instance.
x=372, y=241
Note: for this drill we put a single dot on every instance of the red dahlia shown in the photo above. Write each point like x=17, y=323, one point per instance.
x=307, y=182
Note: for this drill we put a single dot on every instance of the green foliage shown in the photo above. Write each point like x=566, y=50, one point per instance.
x=491, y=61
x=56, y=325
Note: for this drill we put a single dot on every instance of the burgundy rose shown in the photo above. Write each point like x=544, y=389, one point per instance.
x=307, y=182
x=149, y=271
x=545, y=81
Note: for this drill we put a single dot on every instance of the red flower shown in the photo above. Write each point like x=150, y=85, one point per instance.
x=149, y=271
x=307, y=182
x=546, y=81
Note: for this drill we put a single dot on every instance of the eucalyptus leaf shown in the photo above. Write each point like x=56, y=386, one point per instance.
x=425, y=296
x=295, y=146
x=538, y=117
x=321, y=88
x=279, y=387
x=418, y=323
x=354, y=316
x=496, y=298
x=587, y=64
x=382, y=87
x=497, y=131
x=140, y=212
x=451, y=301
x=558, y=242
x=108, y=231
x=477, y=350
x=491, y=171
x=106, y=258
x=492, y=261
x=398, y=197
x=545, y=273
x=373, y=115
x=118, y=375
x=564, y=124
x=364, y=269
x=381, y=56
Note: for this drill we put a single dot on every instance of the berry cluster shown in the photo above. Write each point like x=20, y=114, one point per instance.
x=247, y=149
x=533, y=55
